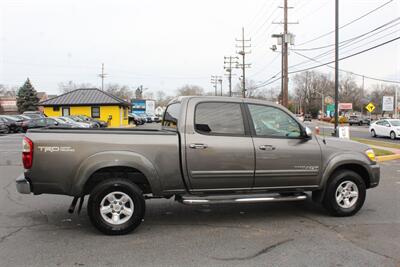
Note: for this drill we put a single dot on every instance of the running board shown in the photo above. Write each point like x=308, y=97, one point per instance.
x=222, y=199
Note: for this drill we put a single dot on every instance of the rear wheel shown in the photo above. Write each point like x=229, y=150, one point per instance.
x=392, y=135
x=116, y=206
x=345, y=194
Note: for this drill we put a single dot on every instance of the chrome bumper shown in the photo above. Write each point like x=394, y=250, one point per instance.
x=23, y=185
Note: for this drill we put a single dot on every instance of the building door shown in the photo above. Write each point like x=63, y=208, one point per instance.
x=65, y=111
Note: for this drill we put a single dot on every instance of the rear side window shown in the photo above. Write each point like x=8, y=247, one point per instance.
x=171, y=115
x=219, y=118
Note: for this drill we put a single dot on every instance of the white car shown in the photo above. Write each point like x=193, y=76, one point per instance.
x=387, y=127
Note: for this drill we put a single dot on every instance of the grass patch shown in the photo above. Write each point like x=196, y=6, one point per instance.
x=376, y=143
x=382, y=152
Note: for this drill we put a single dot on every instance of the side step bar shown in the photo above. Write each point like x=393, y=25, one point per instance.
x=222, y=199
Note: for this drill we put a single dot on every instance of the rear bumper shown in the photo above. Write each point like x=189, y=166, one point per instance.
x=23, y=185
x=375, y=176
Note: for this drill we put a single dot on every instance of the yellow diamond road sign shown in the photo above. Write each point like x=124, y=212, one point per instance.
x=370, y=107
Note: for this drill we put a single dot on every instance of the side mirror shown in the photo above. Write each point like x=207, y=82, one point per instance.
x=308, y=132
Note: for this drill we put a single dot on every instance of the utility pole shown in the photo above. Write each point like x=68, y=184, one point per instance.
x=243, y=45
x=336, y=67
x=214, y=81
x=285, y=39
x=228, y=61
x=102, y=75
x=220, y=82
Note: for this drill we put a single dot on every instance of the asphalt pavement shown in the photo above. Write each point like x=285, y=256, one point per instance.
x=38, y=231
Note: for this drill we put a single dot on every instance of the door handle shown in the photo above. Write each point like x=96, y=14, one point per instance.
x=198, y=146
x=267, y=147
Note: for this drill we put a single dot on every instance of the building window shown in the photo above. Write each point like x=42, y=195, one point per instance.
x=95, y=112
x=56, y=108
x=65, y=111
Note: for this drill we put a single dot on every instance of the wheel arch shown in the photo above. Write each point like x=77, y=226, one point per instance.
x=124, y=164
x=335, y=165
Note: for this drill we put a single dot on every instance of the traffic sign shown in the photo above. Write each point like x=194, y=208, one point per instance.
x=370, y=107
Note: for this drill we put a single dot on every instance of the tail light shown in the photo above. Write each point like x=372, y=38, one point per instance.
x=27, y=152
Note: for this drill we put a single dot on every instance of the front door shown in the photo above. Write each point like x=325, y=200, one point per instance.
x=219, y=148
x=284, y=158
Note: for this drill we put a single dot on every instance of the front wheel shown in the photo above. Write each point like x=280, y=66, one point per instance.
x=345, y=194
x=393, y=135
x=116, y=206
x=373, y=134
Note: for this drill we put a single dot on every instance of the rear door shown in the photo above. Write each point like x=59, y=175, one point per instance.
x=219, y=148
x=284, y=158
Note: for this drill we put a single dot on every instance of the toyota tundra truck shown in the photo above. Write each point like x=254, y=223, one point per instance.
x=208, y=150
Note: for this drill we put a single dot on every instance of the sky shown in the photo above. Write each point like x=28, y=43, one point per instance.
x=164, y=45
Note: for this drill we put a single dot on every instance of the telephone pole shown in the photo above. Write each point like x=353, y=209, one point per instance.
x=215, y=79
x=285, y=39
x=102, y=75
x=228, y=61
x=243, y=45
x=336, y=67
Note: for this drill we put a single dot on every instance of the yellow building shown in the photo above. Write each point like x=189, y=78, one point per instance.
x=91, y=102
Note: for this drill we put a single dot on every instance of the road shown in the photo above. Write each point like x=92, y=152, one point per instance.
x=355, y=131
x=38, y=231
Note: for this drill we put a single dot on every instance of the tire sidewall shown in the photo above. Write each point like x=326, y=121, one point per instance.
x=330, y=197
x=392, y=135
x=103, y=189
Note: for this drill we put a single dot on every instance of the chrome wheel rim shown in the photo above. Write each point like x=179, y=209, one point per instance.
x=116, y=208
x=346, y=194
x=392, y=135
x=372, y=133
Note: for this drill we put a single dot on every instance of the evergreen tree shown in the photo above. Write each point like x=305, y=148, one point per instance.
x=27, y=99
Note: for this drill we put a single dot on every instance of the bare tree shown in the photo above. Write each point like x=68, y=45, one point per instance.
x=65, y=87
x=121, y=91
x=190, y=90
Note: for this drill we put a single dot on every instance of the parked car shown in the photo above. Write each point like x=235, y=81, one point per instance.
x=198, y=157
x=145, y=117
x=359, y=120
x=387, y=128
x=99, y=123
x=91, y=124
x=307, y=117
x=3, y=126
x=49, y=122
x=14, y=125
x=71, y=121
x=137, y=119
x=34, y=114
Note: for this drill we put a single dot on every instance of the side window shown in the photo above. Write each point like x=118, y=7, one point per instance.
x=171, y=115
x=96, y=112
x=219, y=118
x=273, y=122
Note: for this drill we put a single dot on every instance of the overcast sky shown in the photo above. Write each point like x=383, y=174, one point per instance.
x=166, y=44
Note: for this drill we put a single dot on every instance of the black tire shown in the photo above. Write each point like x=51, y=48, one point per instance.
x=337, y=179
x=350, y=124
x=7, y=130
x=392, y=135
x=360, y=123
x=373, y=133
x=106, y=187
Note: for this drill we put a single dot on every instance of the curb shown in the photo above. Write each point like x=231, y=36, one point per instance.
x=387, y=158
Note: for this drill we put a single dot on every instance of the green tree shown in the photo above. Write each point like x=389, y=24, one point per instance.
x=27, y=99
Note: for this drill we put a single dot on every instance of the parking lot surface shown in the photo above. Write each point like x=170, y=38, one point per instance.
x=38, y=231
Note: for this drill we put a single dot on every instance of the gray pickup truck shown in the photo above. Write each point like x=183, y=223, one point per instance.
x=208, y=150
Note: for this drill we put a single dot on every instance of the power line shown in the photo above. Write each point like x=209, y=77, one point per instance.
x=330, y=62
x=351, y=39
x=349, y=56
x=326, y=53
x=349, y=23
x=350, y=72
